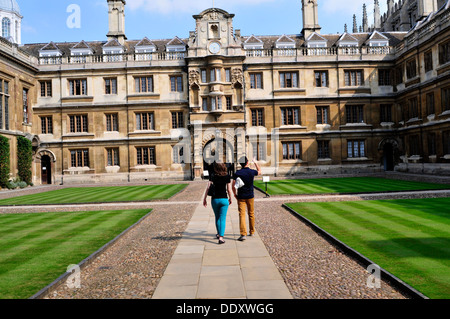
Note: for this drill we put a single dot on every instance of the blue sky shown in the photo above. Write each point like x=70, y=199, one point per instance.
x=45, y=20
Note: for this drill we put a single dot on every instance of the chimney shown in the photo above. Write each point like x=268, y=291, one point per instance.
x=116, y=17
x=310, y=17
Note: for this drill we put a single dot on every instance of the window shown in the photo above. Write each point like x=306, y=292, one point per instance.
x=290, y=116
x=26, y=115
x=46, y=88
x=322, y=114
x=6, y=28
x=257, y=117
x=413, y=108
x=203, y=75
x=414, y=145
x=444, y=53
x=78, y=123
x=398, y=72
x=355, y=148
x=445, y=99
x=177, y=120
x=4, y=105
x=215, y=75
x=353, y=77
x=46, y=125
x=227, y=75
x=323, y=149
x=229, y=101
x=112, y=122
x=411, y=69
x=143, y=84
x=176, y=83
x=355, y=113
x=111, y=86
x=292, y=151
x=112, y=157
x=79, y=158
x=384, y=77
x=145, y=121
x=256, y=81
x=205, y=104
x=428, y=61
x=430, y=103
x=321, y=78
x=259, y=151
x=289, y=80
x=78, y=87
x=145, y=156
x=178, y=154
x=431, y=144
x=216, y=103
x=385, y=113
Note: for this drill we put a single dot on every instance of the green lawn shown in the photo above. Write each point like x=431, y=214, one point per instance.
x=408, y=238
x=76, y=195
x=37, y=248
x=343, y=185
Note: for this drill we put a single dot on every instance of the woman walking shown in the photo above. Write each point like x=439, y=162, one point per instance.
x=219, y=188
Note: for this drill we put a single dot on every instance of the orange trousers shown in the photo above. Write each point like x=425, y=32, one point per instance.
x=243, y=206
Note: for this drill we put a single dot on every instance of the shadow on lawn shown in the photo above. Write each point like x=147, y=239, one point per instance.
x=414, y=247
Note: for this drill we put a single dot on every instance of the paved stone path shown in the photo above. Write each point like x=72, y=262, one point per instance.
x=200, y=268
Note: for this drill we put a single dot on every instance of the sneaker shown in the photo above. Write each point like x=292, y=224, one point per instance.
x=242, y=238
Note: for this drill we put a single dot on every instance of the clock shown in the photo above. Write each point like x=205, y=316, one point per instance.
x=214, y=47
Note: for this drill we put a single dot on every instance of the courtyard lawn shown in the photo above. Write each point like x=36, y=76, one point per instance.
x=77, y=195
x=343, y=185
x=37, y=248
x=408, y=238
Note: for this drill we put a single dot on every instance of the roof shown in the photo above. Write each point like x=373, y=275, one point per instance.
x=10, y=5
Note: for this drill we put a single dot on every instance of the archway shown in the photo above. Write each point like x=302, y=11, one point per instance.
x=219, y=150
x=46, y=170
x=389, y=147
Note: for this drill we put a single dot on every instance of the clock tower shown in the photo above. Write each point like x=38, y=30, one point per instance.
x=216, y=90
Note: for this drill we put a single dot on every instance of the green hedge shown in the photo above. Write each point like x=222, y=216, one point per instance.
x=24, y=159
x=4, y=161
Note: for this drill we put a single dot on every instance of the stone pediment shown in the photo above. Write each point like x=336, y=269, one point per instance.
x=212, y=14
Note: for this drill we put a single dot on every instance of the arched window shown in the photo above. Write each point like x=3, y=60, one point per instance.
x=6, y=28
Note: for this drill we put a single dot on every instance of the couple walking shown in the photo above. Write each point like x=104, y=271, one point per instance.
x=221, y=187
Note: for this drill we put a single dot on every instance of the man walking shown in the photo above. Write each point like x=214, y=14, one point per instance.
x=245, y=196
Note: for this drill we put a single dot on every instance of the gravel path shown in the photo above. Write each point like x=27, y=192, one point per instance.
x=132, y=267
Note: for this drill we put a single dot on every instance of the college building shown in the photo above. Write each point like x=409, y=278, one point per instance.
x=121, y=110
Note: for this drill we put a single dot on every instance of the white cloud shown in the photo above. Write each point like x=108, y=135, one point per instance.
x=172, y=6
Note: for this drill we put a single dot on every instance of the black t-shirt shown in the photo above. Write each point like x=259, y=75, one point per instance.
x=220, y=184
x=247, y=175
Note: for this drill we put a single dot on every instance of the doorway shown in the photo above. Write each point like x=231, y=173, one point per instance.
x=221, y=151
x=46, y=170
x=388, y=157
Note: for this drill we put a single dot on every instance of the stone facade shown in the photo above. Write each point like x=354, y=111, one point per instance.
x=140, y=110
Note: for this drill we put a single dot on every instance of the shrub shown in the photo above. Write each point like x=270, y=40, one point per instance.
x=4, y=161
x=24, y=159
x=22, y=184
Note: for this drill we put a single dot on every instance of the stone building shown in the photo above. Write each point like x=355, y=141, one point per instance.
x=139, y=110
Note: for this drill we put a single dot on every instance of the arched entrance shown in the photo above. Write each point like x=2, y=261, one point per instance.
x=219, y=150
x=46, y=170
x=45, y=163
x=389, y=147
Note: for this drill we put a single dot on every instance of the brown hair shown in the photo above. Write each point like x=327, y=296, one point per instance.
x=220, y=169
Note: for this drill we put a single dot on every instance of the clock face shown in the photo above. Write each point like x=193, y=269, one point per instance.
x=214, y=48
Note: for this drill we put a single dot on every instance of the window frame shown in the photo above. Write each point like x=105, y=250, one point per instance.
x=79, y=158
x=256, y=81
x=46, y=124
x=110, y=86
x=78, y=87
x=356, y=148
x=294, y=78
x=145, y=155
x=146, y=121
x=319, y=78
x=295, y=147
x=176, y=83
x=286, y=116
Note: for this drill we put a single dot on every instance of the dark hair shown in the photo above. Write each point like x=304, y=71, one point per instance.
x=244, y=161
x=220, y=169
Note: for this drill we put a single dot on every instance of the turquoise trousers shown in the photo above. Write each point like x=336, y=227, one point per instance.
x=220, y=207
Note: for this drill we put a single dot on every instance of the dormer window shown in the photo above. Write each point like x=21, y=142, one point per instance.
x=143, y=49
x=79, y=52
x=315, y=40
x=347, y=40
x=285, y=42
x=378, y=40
x=50, y=54
x=113, y=51
x=176, y=45
x=253, y=43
